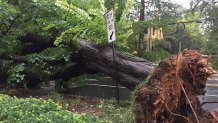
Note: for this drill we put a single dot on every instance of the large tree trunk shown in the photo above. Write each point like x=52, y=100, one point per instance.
x=127, y=69
x=171, y=93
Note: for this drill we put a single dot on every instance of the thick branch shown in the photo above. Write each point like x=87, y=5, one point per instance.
x=34, y=43
x=73, y=71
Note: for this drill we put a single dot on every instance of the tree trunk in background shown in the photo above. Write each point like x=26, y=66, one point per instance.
x=141, y=34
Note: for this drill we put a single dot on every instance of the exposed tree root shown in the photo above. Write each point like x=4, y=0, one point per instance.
x=171, y=93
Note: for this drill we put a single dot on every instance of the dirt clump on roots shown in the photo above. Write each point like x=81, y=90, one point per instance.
x=170, y=96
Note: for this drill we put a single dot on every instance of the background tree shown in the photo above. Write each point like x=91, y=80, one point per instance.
x=208, y=11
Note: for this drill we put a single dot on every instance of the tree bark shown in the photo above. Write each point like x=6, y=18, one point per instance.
x=73, y=71
x=128, y=70
x=141, y=34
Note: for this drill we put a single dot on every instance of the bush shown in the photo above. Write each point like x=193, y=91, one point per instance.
x=14, y=110
x=156, y=56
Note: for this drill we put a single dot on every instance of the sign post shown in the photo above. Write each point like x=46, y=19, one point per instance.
x=111, y=38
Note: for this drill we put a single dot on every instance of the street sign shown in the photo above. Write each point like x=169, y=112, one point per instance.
x=110, y=26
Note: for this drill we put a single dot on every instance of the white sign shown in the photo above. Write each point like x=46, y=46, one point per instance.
x=110, y=26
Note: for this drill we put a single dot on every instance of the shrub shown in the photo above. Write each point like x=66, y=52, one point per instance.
x=156, y=56
x=14, y=110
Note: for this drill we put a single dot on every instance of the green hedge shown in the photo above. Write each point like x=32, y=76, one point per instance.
x=31, y=110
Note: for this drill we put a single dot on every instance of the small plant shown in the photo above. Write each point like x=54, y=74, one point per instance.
x=117, y=113
x=55, y=97
x=77, y=101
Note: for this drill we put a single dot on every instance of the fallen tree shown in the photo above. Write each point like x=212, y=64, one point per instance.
x=127, y=69
x=170, y=96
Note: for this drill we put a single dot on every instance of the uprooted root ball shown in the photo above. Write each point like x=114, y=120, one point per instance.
x=171, y=93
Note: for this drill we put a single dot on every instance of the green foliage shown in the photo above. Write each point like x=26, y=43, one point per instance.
x=156, y=56
x=76, y=101
x=28, y=110
x=171, y=12
x=209, y=11
x=15, y=73
x=66, y=37
x=121, y=113
x=39, y=64
x=210, y=47
x=54, y=96
x=214, y=61
x=90, y=23
x=118, y=6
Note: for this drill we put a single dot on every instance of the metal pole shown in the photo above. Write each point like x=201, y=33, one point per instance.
x=180, y=46
x=115, y=67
